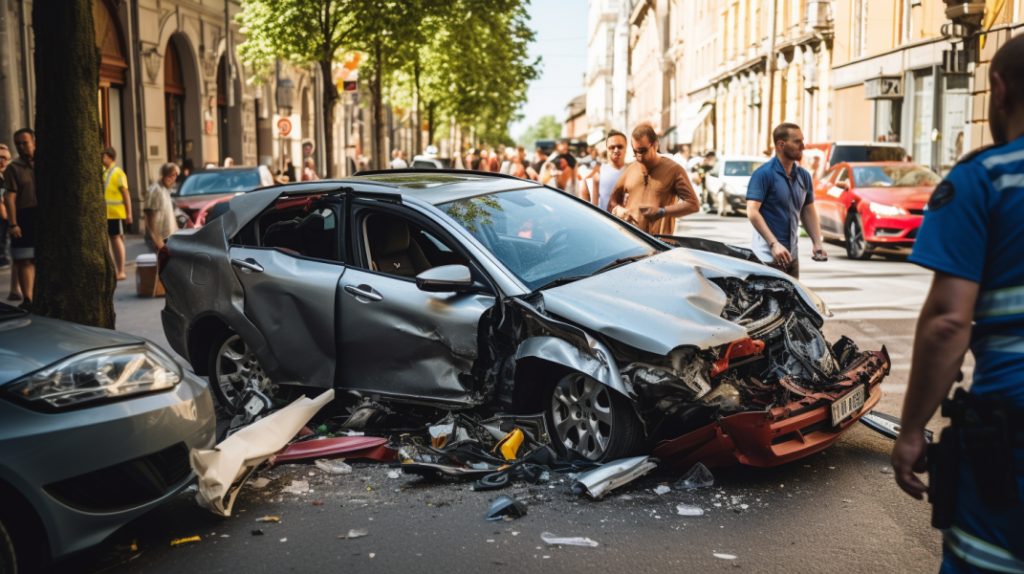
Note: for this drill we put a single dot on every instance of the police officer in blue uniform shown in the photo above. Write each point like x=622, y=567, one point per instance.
x=973, y=238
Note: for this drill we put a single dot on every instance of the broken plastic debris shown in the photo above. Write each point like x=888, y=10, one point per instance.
x=284, y=540
x=662, y=489
x=268, y=519
x=318, y=504
x=504, y=506
x=394, y=474
x=350, y=446
x=509, y=446
x=724, y=556
x=687, y=510
x=333, y=466
x=888, y=425
x=598, y=482
x=260, y=482
x=356, y=533
x=180, y=541
x=697, y=477
x=257, y=532
x=223, y=469
x=439, y=434
x=553, y=540
x=297, y=487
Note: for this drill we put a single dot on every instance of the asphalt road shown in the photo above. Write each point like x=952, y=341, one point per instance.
x=836, y=511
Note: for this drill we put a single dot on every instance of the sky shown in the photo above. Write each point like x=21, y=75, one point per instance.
x=561, y=41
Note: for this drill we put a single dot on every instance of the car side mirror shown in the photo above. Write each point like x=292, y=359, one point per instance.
x=445, y=279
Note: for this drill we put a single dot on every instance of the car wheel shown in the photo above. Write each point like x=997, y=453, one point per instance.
x=856, y=245
x=233, y=370
x=592, y=419
x=720, y=200
x=8, y=561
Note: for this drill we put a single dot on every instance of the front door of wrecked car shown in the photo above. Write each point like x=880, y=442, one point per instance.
x=396, y=339
x=290, y=279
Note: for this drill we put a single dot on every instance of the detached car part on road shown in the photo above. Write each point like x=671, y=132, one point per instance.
x=95, y=430
x=463, y=290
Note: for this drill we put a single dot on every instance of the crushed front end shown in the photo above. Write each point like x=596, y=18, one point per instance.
x=779, y=394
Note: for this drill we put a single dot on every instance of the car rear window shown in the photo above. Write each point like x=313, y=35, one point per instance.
x=741, y=168
x=866, y=153
x=233, y=181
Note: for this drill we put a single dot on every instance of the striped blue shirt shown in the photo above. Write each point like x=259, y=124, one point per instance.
x=974, y=228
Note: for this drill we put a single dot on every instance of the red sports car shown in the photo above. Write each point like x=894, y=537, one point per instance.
x=874, y=207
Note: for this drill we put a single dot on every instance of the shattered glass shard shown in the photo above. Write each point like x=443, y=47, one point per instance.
x=356, y=534
x=504, y=506
x=687, y=510
x=553, y=540
x=697, y=477
x=337, y=466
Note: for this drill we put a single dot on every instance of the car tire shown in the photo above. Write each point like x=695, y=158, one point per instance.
x=232, y=367
x=8, y=558
x=721, y=201
x=856, y=245
x=596, y=421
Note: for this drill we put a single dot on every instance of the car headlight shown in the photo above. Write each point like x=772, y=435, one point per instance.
x=96, y=375
x=886, y=210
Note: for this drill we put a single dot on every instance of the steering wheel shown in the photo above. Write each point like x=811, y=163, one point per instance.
x=560, y=235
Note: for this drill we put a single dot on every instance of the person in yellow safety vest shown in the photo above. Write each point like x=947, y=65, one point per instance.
x=119, y=207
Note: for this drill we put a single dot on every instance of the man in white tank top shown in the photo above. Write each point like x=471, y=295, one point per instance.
x=605, y=178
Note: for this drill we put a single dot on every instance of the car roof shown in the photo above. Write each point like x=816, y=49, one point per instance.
x=722, y=158
x=434, y=186
x=232, y=168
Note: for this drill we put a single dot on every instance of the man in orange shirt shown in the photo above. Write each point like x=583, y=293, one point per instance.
x=653, y=191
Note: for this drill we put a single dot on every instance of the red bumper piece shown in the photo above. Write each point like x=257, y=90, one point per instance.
x=779, y=435
x=341, y=447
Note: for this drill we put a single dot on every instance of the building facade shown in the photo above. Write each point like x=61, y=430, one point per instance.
x=172, y=89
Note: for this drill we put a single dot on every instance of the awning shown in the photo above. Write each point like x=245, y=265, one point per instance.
x=693, y=115
x=595, y=137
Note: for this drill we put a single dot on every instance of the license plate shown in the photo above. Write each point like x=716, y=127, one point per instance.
x=847, y=405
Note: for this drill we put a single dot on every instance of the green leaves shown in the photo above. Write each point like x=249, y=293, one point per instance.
x=546, y=128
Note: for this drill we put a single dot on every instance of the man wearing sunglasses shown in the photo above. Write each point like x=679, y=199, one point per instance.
x=653, y=191
x=607, y=175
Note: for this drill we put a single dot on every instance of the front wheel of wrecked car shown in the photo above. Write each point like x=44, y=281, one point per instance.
x=592, y=419
x=234, y=369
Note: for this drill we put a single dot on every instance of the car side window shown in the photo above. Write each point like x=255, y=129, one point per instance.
x=312, y=232
x=400, y=247
x=844, y=175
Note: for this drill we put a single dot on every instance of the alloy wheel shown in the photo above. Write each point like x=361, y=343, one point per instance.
x=856, y=245
x=581, y=410
x=238, y=369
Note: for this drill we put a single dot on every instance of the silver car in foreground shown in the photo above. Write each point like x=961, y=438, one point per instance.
x=95, y=430
x=462, y=290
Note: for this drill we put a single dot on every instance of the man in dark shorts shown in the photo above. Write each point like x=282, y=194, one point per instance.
x=20, y=201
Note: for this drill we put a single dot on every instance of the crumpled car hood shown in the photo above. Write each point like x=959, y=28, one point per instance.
x=662, y=302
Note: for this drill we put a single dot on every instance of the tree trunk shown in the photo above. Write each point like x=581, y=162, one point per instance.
x=75, y=276
x=330, y=109
x=430, y=124
x=380, y=159
x=418, y=124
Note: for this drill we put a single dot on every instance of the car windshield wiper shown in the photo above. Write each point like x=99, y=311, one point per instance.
x=621, y=261
x=561, y=281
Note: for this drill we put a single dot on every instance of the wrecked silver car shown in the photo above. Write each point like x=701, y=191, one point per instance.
x=459, y=291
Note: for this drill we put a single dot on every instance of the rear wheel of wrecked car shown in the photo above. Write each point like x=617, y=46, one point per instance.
x=592, y=419
x=234, y=369
x=856, y=245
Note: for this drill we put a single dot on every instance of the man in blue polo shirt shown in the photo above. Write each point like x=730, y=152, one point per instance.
x=973, y=239
x=780, y=194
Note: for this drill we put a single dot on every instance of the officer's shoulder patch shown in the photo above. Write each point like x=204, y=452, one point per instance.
x=943, y=194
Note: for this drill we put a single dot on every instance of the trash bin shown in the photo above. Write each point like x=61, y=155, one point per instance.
x=147, y=278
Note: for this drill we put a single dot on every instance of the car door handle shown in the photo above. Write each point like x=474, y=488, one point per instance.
x=364, y=291
x=247, y=265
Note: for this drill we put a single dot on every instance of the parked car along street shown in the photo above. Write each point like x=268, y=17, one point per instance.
x=203, y=190
x=874, y=207
x=95, y=430
x=820, y=157
x=727, y=182
x=463, y=291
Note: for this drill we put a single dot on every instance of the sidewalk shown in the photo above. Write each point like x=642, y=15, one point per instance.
x=134, y=246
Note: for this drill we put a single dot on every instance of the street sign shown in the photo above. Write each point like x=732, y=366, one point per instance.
x=284, y=125
x=883, y=88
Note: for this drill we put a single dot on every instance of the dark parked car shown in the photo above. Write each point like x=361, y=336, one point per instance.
x=95, y=430
x=467, y=290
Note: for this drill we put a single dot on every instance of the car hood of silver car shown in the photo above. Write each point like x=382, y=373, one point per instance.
x=29, y=343
x=664, y=301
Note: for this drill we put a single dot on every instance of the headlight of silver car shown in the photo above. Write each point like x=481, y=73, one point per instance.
x=96, y=375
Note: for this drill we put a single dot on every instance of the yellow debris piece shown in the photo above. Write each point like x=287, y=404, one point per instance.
x=181, y=541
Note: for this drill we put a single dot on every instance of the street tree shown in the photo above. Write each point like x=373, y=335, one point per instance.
x=75, y=277
x=546, y=128
x=302, y=32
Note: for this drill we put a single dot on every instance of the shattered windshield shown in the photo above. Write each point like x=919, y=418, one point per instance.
x=895, y=176
x=542, y=236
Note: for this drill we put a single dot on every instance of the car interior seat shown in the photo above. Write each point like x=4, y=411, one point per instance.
x=318, y=234
x=392, y=249
x=283, y=235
